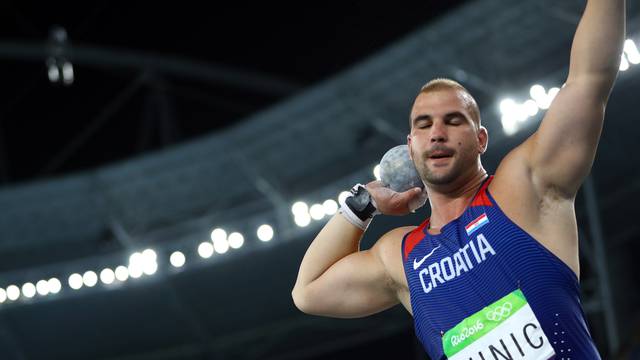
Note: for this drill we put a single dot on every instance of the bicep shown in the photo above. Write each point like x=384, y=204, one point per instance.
x=562, y=150
x=357, y=285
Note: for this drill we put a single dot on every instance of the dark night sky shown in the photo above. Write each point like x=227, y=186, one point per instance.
x=302, y=45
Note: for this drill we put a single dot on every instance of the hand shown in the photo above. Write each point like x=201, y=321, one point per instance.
x=389, y=202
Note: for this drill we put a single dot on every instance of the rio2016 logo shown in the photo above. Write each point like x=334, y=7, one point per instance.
x=466, y=332
x=499, y=312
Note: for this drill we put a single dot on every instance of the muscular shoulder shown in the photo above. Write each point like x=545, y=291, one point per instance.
x=389, y=244
x=538, y=209
x=389, y=250
x=519, y=193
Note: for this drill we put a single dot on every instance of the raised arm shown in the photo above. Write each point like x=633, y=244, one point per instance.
x=561, y=152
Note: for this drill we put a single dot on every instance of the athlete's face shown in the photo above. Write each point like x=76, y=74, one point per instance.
x=444, y=141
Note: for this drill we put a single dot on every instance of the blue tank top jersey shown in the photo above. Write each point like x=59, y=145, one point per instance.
x=484, y=289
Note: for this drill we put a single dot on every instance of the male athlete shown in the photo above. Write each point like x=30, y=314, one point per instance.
x=493, y=273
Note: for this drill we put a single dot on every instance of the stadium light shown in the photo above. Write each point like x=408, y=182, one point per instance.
x=221, y=245
x=13, y=292
x=205, y=250
x=42, y=287
x=54, y=285
x=316, y=211
x=302, y=220
x=89, y=279
x=122, y=273
x=631, y=50
x=265, y=232
x=75, y=281
x=107, y=276
x=28, y=290
x=376, y=172
x=300, y=208
x=218, y=234
x=330, y=207
x=177, y=259
x=236, y=240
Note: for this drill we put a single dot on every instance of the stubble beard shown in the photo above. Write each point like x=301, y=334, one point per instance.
x=441, y=176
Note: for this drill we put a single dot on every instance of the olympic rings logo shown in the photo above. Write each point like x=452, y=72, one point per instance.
x=499, y=312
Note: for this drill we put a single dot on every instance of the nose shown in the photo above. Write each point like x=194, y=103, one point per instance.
x=438, y=132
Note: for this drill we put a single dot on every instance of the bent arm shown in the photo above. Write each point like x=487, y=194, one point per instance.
x=561, y=152
x=337, y=280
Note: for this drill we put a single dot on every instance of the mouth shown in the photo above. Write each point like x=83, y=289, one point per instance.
x=440, y=157
x=440, y=154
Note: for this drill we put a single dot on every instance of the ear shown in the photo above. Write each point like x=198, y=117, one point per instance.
x=409, y=145
x=483, y=140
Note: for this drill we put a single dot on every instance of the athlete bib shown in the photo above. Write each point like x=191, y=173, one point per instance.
x=506, y=329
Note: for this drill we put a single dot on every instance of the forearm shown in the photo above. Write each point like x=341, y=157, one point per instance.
x=335, y=241
x=598, y=43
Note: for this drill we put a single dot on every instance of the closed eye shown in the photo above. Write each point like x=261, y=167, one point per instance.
x=455, y=118
x=423, y=124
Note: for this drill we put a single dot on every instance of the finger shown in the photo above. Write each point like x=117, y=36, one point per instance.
x=418, y=201
x=412, y=193
x=407, y=196
x=375, y=184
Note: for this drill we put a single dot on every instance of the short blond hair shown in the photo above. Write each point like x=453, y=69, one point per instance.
x=439, y=84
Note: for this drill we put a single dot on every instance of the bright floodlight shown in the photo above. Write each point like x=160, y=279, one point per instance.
x=330, y=207
x=205, y=249
x=265, y=232
x=90, y=279
x=235, y=240
x=149, y=254
x=316, y=211
x=520, y=113
x=624, y=63
x=3, y=296
x=302, y=220
x=633, y=55
x=107, y=276
x=75, y=281
x=544, y=103
x=538, y=93
x=54, y=285
x=136, y=265
x=122, y=273
x=28, y=290
x=553, y=92
x=218, y=234
x=67, y=73
x=177, y=259
x=221, y=245
x=53, y=72
x=13, y=292
x=299, y=208
x=507, y=106
x=148, y=262
x=135, y=270
x=376, y=172
x=42, y=287
x=343, y=196
x=150, y=268
x=530, y=107
x=509, y=125
x=135, y=258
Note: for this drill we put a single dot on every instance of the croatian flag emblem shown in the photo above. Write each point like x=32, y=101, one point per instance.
x=476, y=224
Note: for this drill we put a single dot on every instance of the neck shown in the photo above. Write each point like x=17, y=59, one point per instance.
x=449, y=201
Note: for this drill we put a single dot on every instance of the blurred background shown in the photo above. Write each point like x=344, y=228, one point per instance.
x=163, y=167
